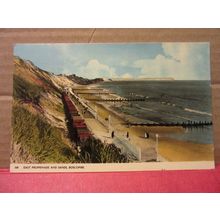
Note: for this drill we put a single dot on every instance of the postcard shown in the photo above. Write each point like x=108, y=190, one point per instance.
x=80, y=107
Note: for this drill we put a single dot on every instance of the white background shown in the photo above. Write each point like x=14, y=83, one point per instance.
x=109, y=206
x=109, y=13
x=114, y=13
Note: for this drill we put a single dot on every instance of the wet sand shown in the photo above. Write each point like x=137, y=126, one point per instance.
x=174, y=150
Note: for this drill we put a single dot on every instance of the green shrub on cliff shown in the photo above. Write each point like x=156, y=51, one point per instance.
x=26, y=91
x=39, y=138
x=94, y=151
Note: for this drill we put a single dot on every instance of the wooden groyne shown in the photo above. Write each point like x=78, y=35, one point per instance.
x=171, y=124
x=119, y=100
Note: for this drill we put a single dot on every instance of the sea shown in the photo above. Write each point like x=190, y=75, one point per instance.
x=168, y=101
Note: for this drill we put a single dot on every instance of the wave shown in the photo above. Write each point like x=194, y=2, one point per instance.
x=143, y=108
x=165, y=113
x=196, y=111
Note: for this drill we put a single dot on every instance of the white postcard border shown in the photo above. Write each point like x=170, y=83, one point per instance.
x=111, y=167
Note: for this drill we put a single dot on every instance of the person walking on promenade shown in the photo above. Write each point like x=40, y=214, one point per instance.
x=113, y=134
x=146, y=135
x=127, y=134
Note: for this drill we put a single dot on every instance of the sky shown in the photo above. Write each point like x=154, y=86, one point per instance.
x=181, y=61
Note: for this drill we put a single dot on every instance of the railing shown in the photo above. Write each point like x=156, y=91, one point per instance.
x=84, y=104
x=127, y=148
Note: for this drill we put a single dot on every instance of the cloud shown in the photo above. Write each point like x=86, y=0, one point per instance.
x=124, y=63
x=126, y=76
x=180, y=60
x=95, y=69
x=160, y=66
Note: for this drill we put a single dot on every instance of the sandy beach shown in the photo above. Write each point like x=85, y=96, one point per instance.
x=168, y=149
